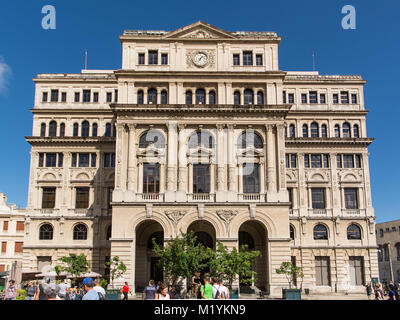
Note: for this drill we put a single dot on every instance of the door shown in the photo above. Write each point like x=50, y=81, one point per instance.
x=156, y=272
x=322, y=271
x=356, y=265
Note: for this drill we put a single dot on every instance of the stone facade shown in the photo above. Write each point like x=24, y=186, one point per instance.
x=210, y=136
x=388, y=240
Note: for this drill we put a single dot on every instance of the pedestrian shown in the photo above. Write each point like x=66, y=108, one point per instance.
x=195, y=285
x=217, y=294
x=51, y=291
x=149, y=291
x=91, y=294
x=62, y=290
x=11, y=291
x=378, y=292
x=392, y=295
x=162, y=293
x=42, y=287
x=224, y=290
x=368, y=288
x=72, y=293
x=206, y=289
x=32, y=291
x=125, y=291
x=99, y=289
x=395, y=289
x=158, y=285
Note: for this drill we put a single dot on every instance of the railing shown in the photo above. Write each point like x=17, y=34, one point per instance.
x=201, y=197
x=48, y=211
x=249, y=197
x=150, y=196
x=347, y=212
x=322, y=212
x=294, y=212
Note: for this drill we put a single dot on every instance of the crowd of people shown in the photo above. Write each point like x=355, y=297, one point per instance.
x=383, y=292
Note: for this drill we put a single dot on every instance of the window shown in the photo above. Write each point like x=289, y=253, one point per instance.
x=344, y=97
x=398, y=251
x=4, y=247
x=152, y=96
x=337, y=131
x=322, y=98
x=140, y=97
x=189, y=97
x=93, y=161
x=86, y=96
x=291, y=131
x=62, y=129
x=51, y=160
x=94, y=130
x=314, y=130
x=324, y=131
x=353, y=232
x=43, y=130
x=356, y=131
x=211, y=97
x=304, y=98
x=20, y=225
x=108, y=130
x=236, y=98
x=348, y=161
x=45, y=96
x=115, y=96
x=316, y=161
x=313, y=97
x=95, y=97
x=109, y=96
x=83, y=160
x=325, y=158
x=164, y=58
x=251, y=181
x=18, y=247
x=41, y=160
x=291, y=161
x=48, y=198
x=291, y=98
x=354, y=99
x=386, y=252
x=335, y=98
x=109, y=160
x=318, y=198
x=73, y=160
x=290, y=192
x=54, y=96
x=5, y=226
x=201, y=178
x=154, y=137
x=322, y=271
x=305, y=131
x=164, y=97
x=346, y=130
x=306, y=160
x=200, y=96
x=200, y=138
x=82, y=198
x=76, y=130
x=236, y=60
x=284, y=97
x=60, y=160
x=80, y=232
x=109, y=197
x=77, y=97
x=320, y=232
x=248, y=96
x=259, y=59
x=249, y=138
x=351, y=198
x=381, y=233
x=153, y=57
x=291, y=232
x=380, y=254
x=46, y=232
x=63, y=97
x=85, y=129
x=247, y=58
x=141, y=58
x=151, y=178
x=260, y=97
x=53, y=129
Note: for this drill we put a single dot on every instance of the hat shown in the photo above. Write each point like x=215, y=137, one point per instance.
x=88, y=281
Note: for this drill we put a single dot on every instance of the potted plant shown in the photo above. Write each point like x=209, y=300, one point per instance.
x=291, y=272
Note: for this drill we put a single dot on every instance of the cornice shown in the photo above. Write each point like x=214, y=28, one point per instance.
x=328, y=112
x=34, y=141
x=70, y=111
x=363, y=142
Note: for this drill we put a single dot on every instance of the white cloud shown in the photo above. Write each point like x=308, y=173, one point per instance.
x=5, y=72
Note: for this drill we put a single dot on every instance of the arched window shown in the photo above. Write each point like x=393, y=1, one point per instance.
x=260, y=97
x=337, y=131
x=164, y=97
x=200, y=96
x=356, y=131
x=76, y=130
x=152, y=96
x=380, y=253
x=202, y=137
x=43, y=130
x=291, y=232
x=94, y=130
x=236, y=98
x=324, y=131
x=140, y=97
x=114, y=130
x=305, y=131
x=62, y=129
x=386, y=252
x=211, y=97
x=85, y=129
x=320, y=232
x=46, y=232
x=346, y=130
x=189, y=97
x=249, y=138
x=204, y=238
x=53, y=129
x=246, y=238
x=292, y=133
x=158, y=238
x=397, y=246
x=248, y=96
x=80, y=232
x=108, y=233
x=353, y=232
x=108, y=130
x=154, y=137
x=314, y=130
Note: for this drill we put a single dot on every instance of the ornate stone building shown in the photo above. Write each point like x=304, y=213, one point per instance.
x=201, y=131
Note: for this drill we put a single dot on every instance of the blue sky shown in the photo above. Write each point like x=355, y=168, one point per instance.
x=307, y=26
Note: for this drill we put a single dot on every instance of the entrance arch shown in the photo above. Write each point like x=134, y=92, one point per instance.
x=205, y=233
x=254, y=234
x=146, y=259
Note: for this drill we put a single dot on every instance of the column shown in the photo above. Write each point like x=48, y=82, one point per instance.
x=172, y=162
x=232, y=159
x=140, y=186
x=220, y=159
x=271, y=175
x=261, y=176
x=117, y=195
x=190, y=177
x=182, y=159
x=132, y=158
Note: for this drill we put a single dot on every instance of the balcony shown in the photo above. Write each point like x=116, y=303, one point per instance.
x=150, y=197
x=317, y=212
x=251, y=197
x=352, y=212
x=201, y=197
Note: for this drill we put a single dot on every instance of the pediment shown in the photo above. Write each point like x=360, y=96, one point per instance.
x=251, y=151
x=200, y=152
x=199, y=30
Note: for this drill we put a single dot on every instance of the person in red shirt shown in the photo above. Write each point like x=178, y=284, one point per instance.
x=125, y=291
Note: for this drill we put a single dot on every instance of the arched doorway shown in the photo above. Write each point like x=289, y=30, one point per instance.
x=146, y=266
x=254, y=235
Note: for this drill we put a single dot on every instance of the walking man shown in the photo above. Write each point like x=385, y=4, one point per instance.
x=149, y=291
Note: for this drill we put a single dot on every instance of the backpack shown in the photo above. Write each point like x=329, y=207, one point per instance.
x=101, y=296
x=218, y=294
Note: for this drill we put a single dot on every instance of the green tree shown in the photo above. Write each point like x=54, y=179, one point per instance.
x=181, y=257
x=75, y=265
x=291, y=272
x=117, y=268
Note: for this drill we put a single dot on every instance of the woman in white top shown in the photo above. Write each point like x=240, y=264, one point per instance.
x=224, y=290
x=162, y=293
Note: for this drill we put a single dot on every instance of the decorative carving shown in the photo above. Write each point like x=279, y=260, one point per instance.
x=191, y=58
x=175, y=215
x=149, y=211
x=227, y=215
x=200, y=209
x=253, y=208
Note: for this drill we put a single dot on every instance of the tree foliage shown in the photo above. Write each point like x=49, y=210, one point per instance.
x=117, y=268
x=290, y=271
x=76, y=265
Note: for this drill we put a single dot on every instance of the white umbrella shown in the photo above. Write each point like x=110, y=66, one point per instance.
x=86, y=275
x=50, y=274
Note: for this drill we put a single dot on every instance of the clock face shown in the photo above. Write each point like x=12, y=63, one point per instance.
x=200, y=59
